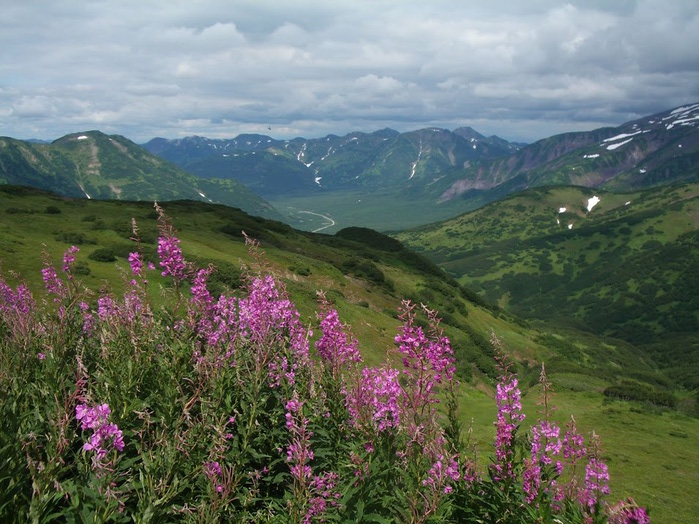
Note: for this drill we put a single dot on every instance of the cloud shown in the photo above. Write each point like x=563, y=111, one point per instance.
x=522, y=70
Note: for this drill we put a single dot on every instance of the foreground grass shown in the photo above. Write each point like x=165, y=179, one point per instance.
x=202, y=239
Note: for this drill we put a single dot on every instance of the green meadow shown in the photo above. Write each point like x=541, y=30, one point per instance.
x=651, y=446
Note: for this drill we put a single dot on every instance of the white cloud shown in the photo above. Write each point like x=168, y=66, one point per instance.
x=523, y=70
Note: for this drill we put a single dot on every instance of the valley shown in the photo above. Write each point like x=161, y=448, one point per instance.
x=579, y=251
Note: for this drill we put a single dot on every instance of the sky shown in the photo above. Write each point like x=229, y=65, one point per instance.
x=522, y=70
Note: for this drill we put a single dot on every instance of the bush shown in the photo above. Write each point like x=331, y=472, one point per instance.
x=105, y=254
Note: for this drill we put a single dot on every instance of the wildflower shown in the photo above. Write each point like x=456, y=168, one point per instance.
x=509, y=416
x=171, y=258
x=335, y=345
x=429, y=358
x=596, y=482
x=214, y=473
x=299, y=452
x=441, y=474
x=545, y=445
x=88, y=318
x=52, y=282
x=69, y=258
x=322, y=490
x=104, y=433
x=628, y=512
x=136, y=263
x=376, y=396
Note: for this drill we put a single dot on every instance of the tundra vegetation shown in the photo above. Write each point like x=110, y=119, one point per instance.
x=227, y=407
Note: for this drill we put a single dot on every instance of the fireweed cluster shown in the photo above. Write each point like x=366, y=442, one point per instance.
x=229, y=408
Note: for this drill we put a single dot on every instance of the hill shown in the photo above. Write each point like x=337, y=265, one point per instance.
x=365, y=275
x=95, y=165
x=620, y=265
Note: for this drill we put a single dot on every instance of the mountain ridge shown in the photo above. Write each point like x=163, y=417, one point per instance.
x=92, y=164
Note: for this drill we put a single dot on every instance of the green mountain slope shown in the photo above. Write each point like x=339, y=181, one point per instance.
x=366, y=274
x=626, y=268
x=95, y=165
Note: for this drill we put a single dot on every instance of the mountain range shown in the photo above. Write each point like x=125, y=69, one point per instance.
x=439, y=172
x=385, y=180
x=357, y=160
x=94, y=165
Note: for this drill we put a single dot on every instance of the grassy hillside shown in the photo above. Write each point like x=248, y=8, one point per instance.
x=366, y=274
x=99, y=166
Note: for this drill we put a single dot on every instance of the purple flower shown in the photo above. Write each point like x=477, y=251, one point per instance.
x=628, y=512
x=509, y=416
x=335, y=346
x=69, y=258
x=136, y=263
x=298, y=453
x=104, y=434
x=596, y=482
x=52, y=283
x=214, y=473
x=374, y=401
x=171, y=258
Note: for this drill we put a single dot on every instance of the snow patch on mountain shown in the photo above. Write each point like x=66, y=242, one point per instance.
x=592, y=202
x=611, y=147
x=621, y=136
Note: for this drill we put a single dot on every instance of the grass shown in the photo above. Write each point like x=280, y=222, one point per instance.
x=644, y=444
x=379, y=210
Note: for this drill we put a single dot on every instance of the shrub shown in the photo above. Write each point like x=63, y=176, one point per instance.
x=104, y=254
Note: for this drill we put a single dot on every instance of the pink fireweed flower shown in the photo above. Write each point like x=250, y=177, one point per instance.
x=16, y=306
x=545, y=446
x=509, y=417
x=69, y=258
x=105, y=434
x=628, y=512
x=298, y=453
x=171, y=258
x=268, y=320
x=546, y=443
x=53, y=284
x=335, y=346
x=200, y=293
x=573, y=443
x=136, y=263
x=442, y=474
x=422, y=354
x=88, y=318
x=596, y=482
x=374, y=401
x=323, y=494
x=428, y=362
x=596, y=477
x=214, y=473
